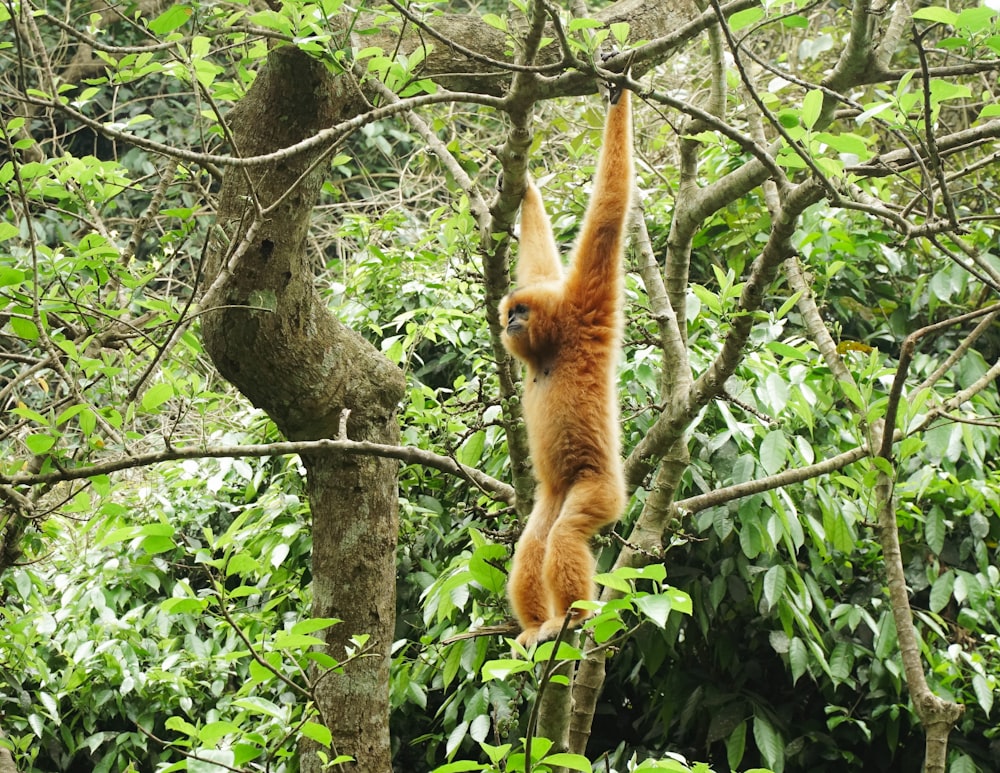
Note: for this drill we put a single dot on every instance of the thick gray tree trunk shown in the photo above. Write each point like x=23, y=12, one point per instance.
x=274, y=338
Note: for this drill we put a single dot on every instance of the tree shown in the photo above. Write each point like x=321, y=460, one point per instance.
x=818, y=286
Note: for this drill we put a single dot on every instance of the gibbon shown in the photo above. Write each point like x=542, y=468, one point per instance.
x=567, y=329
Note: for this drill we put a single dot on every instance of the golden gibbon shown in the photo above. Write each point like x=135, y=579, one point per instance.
x=566, y=327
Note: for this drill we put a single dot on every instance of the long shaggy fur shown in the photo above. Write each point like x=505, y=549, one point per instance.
x=567, y=331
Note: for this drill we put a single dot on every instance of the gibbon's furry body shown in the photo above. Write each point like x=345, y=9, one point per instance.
x=567, y=330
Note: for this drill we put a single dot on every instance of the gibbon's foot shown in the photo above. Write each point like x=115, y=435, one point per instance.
x=550, y=629
x=528, y=638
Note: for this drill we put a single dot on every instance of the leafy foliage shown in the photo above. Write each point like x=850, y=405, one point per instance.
x=157, y=619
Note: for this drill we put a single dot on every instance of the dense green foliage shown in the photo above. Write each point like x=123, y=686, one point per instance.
x=163, y=611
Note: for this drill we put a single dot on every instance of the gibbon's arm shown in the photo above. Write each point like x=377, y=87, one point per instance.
x=599, y=245
x=537, y=257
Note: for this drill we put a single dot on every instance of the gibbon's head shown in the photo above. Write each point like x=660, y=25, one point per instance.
x=527, y=316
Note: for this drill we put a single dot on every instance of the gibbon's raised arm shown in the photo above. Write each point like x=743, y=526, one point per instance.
x=538, y=256
x=567, y=331
x=597, y=254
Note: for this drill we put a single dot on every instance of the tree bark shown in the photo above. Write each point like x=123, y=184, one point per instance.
x=270, y=333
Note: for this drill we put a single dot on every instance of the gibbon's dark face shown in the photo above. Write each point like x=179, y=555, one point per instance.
x=517, y=319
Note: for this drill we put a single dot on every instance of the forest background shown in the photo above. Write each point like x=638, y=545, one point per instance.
x=262, y=461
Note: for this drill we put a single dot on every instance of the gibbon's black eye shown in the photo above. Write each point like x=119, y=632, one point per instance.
x=518, y=311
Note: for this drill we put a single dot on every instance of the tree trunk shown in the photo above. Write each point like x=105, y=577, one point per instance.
x=273, y=337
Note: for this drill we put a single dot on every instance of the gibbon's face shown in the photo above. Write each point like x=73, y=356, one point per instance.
x=530, y=317
x=514, y=317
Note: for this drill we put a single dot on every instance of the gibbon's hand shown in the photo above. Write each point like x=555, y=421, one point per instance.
x=614, y=90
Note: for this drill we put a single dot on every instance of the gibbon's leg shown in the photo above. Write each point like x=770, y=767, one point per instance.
x=526, y=588
x=537, y=256
x=569, y=563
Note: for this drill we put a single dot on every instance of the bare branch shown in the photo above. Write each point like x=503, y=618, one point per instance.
x=495, y=488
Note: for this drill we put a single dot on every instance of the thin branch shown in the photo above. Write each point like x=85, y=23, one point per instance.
x=498, y=489
x=721, y=496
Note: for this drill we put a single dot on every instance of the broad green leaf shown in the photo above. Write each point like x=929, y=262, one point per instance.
x=171, y=19
x=619, y=31
x=941, y=591
x=157, y=395
x=470, y=453
x=314, y=624
x=484, y=566
x=851, y=392
x=774, y=584
x=155, y=545
x=656, y=608
x=774, y=451
x=495, y=21
x=293, y=641
x=769, y=742
x=570, y=761
x=213, y=732
x=736, y=745
x=886, y=642
x=460, y=766
x=583, y=23
x=812, y=107
x=941, y=15
x=935, y=530
x=260, y=705
x=501, y=669
x=10, y=276
x=181, y=725
x=798, y=659
x=23, y=328
x=39, y=444
x=742, y=19
x=984, y=695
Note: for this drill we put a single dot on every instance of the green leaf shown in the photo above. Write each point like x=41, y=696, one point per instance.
x=582, y=23
x=812, y=107
x=680, y=601
x=850, y=390
x=157, y=395
x=885, y=638
x=314, y=624
x=984, y=695
x=39, y=444
x=774, y=584
x=484, y=567
x=798, y=659
x=935, y=530
x=736, y=745
x=501, y=669
x=10, y=277
x=170, y=19
x=656, y=608
x=290, y=641
x=769, y=741
x=567, y=760
x=470, y=453
x=742, y=19
x=774, y=451
x=941, y=591
x=260, y=706
x=495, y=21
x=213, y=732
x=319, y=733
x=23, y=328
x=619, y=31
x=460, y=766
x=941, y=15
